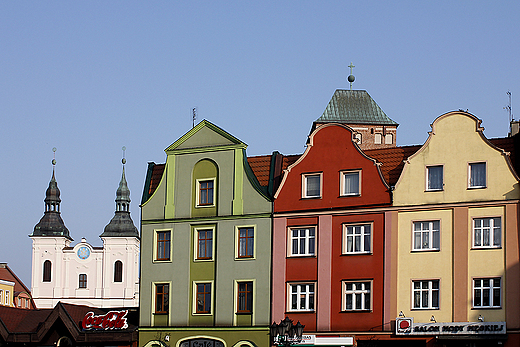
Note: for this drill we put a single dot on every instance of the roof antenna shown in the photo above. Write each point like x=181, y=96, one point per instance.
x=509, y=107
x=194, y=116
x=351, y=77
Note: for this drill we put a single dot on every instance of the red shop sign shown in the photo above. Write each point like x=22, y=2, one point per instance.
x=111, y=320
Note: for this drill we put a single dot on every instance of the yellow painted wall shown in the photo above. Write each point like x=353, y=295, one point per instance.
x=425, y=265
x=484, y=263
x=454, y=142
x=6, y=287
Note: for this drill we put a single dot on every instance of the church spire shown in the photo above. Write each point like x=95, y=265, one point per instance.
x=51, y=223
x=121, y=224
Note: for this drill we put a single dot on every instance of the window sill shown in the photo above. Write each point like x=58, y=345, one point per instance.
x=434, y=190
x=487, y=308
x=201, y=314
x=245, y=258
x=204, y=206
x=356, y=311
x=298, y=312
x=301, y=256
x=425, y=309
x=160, y=313
x=356, y=253
x=310, y=197
x=350, y=195
x=473, y=188
x=243, y=313
x=485, y=247
x=426, y=250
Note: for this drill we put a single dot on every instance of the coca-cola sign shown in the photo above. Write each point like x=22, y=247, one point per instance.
x=113, y=320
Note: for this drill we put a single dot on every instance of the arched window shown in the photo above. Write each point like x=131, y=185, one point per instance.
x=47, y=271
x=118, y=271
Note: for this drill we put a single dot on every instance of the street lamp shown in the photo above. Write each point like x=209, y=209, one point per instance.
x=287, y=333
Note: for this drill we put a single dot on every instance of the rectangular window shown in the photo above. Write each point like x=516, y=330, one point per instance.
x=350, y=183
x=246, y=242
x=203, y=298
x=301, y=297
x=426, y=294
x=204, y=244
x=356, y=296
x=206, y=192
x=7, y=298
x=163, y=245
x=357, y=238
x=302, y=241
x=435, y=178
x=426, y=235
x=312, y=186
x=486, y=293
x=487, y=232
x=162, y=296
x=477, y=175
x=245, y=297
x=82, y=281
x=1, y=297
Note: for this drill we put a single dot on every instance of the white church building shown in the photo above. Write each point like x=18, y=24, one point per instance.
x=104, y=277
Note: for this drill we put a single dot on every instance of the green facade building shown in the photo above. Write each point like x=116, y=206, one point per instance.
x=206, y=244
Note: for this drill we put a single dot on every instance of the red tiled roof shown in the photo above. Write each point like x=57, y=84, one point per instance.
x=157, y=173
x=507, y=144
x=289, y=160
x=392, y=160
x=261, y=166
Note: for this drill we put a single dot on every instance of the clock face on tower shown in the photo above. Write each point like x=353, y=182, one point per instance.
x=83, y=252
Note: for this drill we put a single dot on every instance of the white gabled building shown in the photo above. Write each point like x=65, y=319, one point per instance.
x=105, y=276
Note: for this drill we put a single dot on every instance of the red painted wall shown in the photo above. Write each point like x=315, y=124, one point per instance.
x=332, y=151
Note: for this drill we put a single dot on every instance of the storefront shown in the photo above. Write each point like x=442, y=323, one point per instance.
x=69, y=325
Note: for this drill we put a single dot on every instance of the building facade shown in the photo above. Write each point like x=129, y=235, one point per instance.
x=105, y=276
x=206, y=245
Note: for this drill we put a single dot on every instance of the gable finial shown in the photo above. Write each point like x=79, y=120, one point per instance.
x=351, y=77
x=54, y=157
x=124, y=158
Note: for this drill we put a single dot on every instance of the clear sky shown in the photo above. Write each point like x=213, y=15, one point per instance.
x=89, y=77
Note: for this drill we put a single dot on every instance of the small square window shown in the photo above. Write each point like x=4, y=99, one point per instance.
x=356, y=296
x=312, y=186
x=426, y=294
x=487, y=292
x=302, y=241
x=350, y=183
x=477, y=175
x=487, y=232
x=357, y=238
x=301, y=297
x=426, y=235
x=435, y=179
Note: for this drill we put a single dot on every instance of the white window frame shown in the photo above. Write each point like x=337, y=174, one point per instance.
x=389, y=139
x=428, y=188
x=378, y=138
x=304, y=185
x=212, y=298
x=303, y=289
x=342, y=183
x=492, y=231
x=491, y=291
x=362, y=238
x=1, y=297
x=155, y=248
x=430, y=233
x=307, y=241
x=358, y=289
x=470, y=170
x=197, y=193
x=196, y=242
x=237, y=242
x=429, y=291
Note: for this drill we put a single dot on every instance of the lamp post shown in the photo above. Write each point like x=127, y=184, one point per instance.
x=287, y=333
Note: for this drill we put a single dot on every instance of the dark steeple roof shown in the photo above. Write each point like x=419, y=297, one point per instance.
x=51, y=223
x=121, y=224
x=354, y=107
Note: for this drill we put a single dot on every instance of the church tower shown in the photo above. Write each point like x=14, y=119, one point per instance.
x=121, y=251
x=50, y=236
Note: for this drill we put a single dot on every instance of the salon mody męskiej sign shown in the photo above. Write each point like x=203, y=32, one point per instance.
x=406, y=326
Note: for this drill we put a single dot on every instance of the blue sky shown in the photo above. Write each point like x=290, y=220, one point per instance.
x=91, y=77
